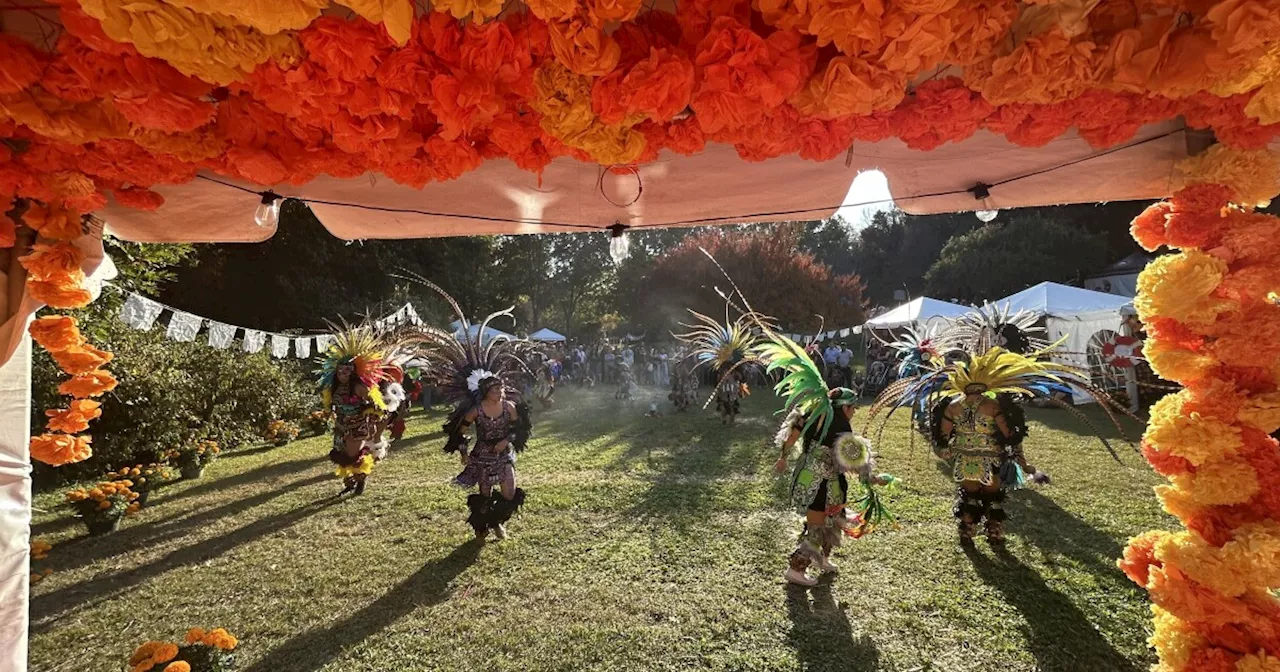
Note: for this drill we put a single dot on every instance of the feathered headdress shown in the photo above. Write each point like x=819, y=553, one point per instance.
x=726, y=348
x=459, y=362
x=996, y=326
x=361, y=348
x=923, y=348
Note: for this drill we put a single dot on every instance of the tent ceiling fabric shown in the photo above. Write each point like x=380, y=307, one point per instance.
x=713, y=187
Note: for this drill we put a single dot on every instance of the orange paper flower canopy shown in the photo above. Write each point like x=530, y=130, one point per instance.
x=290, y=93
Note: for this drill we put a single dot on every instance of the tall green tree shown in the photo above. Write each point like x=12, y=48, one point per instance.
x=1011, y=254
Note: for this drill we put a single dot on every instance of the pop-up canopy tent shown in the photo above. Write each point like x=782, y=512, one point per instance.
x=546, y=336
x=916, y=312
x=1077, y=315
x=490, y=333
x=1120, y=278
x=391, y=121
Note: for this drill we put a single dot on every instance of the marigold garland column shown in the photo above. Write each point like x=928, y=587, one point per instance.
x=1214, y=325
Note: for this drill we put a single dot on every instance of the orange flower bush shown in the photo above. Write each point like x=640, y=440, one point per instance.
x=1212, y=327
x=201, y=651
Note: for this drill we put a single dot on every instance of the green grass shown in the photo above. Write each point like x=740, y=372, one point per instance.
x=646, y=544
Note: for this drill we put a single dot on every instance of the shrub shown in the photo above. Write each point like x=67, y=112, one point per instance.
x=174, y=394
x=211, y=651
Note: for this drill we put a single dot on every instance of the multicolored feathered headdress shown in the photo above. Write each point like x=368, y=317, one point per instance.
x=465, y=363
x=726, y=348
x=924, y=348
x=802, y=388
x=995, y=326
x=361, y=349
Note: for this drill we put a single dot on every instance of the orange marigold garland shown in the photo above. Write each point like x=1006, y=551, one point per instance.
x=54, y=277
x=1212, y=327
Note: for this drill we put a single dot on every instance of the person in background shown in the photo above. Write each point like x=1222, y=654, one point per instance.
x=844, y=364
x=831, y=356
x=610, y=365
x=629, y=357
x=664, y=368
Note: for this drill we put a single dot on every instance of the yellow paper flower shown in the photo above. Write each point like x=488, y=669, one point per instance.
x=1262, y=412
x=1171, y=362
x=1174, y=640
x=1254, y=175
x=1199, y=439
x=1180, y=286
x=1221, y=483
x=1252, y=558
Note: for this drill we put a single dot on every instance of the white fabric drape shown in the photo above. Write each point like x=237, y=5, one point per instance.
x=140, y=312
x=221, y=335
x=183, y=327
x=302, y=347
x=254, y=340
x=15, y=505
x=323, y=342
x=279, y=346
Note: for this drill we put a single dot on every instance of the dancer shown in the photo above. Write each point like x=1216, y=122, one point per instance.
x=545, y=388
x=482, y=380
x=729, y=350
x=684, y=388
x=351, y=372
x=396, y=399
x=819, y=419
x=626, y=383
x=978, y=430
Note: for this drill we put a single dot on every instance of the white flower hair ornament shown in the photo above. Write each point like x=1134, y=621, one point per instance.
x=473, y=380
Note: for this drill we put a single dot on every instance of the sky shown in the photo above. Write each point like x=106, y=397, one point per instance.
x=870, y=185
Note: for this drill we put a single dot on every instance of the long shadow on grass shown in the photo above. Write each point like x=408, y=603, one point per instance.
x=86, y=550
x=1042, y=522
x=314, y=649
x=44, y=608
x=822, y=634
x=253, y=476
x=1059, y=635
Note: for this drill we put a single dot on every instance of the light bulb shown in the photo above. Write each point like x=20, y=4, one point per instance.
x=268, y=213
x=619, y=244
x=986, y=215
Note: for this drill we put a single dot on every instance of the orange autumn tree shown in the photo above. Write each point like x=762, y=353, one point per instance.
x=771, y=270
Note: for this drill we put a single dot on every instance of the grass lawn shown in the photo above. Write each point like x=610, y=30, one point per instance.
x=646, y=544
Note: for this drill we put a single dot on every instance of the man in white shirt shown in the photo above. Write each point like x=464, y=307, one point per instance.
x=844, y=362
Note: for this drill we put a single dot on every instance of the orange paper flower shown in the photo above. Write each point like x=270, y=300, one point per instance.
x=89, y=384
x=81, y=359
x=56, y=333
x=57, y=263
x=56, y=295
x=53, y=221
x=75, y=418
x=59, y=449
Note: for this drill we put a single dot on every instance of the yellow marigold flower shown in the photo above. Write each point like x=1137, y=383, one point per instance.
x=1173, y=640
x=1198, y=439
x=95, y=493
x=195, y=635
x=178, y=666
x=104, y=505
x=1180, y=286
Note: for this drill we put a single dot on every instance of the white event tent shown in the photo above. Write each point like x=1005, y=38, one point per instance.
x=547, y=336
x=917, y=312
x=1071, y=312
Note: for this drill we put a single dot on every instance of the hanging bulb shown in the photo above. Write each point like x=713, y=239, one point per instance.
x=268, y=213
x=982, y=192
x=986, y=215
x=619, y=244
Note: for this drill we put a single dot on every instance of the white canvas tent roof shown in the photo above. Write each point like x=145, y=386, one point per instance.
x=917, y=311
x=1062, y=301
x=547, y=336
x=489, y=332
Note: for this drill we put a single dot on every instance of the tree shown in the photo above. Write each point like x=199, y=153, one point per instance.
x=777, y=278
x=1011, y=254
x=527, y=274
x=583, y=274
x=895, y=249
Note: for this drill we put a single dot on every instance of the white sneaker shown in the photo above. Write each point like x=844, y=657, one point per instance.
x=799, y=578
x=825, y=564
x=500, y=532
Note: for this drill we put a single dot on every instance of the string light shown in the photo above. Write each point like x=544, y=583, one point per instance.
x=619, y=244
x=268, y=213
x=982, y=192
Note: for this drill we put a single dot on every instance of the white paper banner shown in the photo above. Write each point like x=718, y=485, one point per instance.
x=279, y=346
x=302, y=347
x=183, y=327
x=140, y=312
x=844, y=333
x=253, y=340
x=323, y=342
x=221, y=335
